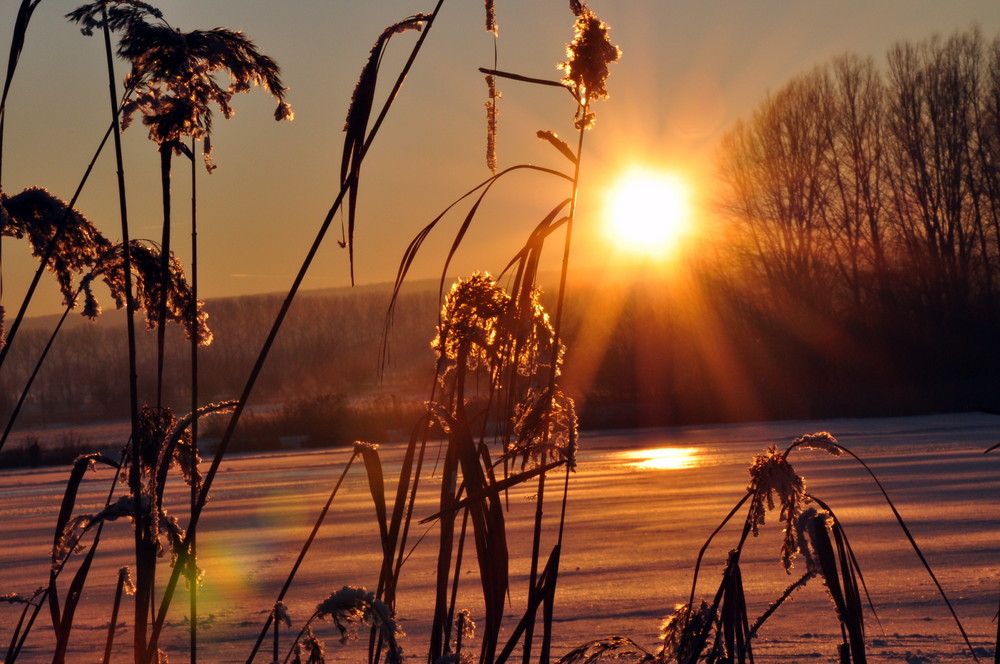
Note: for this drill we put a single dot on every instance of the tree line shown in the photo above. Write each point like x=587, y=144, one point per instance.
x=328, y=348
x=864, y=198
x=852, y=176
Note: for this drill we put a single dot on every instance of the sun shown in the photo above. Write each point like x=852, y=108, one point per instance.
x=648, y=212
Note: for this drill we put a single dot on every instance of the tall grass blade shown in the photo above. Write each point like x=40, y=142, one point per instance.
x=523, y=79
x=113, y=623
x=73, y=596
x=558, y=144
x=842, y=534
x=734, y=628
x=449, y=483
x=535, y=599
x=704, y=547
x=376, y=484
x=843, y=596
x=402, y=514
x=35, y=602
x=548, y=606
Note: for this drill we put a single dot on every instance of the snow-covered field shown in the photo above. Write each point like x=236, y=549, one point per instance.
x=636, y=521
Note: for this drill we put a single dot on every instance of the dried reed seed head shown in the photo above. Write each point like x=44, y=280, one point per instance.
x=155, y=425
x=360, y=102
x=41, y=217
x=485, y=328
x=284, y=112
x=821, y=440
x=280, y=614
x=128, y=585
x=352, y=606
x=360, y=447
x=469, y=321
x=590, y=53
x=677, y=632
x=126, y=507
x=770, y=474
x=491, y=18
x=121, y=14
x=346, y=607
x=149, y=277
x=465, y=625
x=311, y=648
x=174, y=73
x=69, y=539
x=492, y=111
x=545, y=429
x=805, y=531
x=14, y=598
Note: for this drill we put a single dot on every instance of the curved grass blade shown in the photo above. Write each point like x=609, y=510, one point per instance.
x=523, y=79
x=558, y=144
x=414, y=247
x=113, y=623
x=909, y=537
x=356, y=127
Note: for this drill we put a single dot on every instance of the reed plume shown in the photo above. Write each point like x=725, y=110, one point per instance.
x=43, y=218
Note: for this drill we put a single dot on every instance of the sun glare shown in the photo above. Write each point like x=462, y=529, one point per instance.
x=663, y=458
x=648, y=212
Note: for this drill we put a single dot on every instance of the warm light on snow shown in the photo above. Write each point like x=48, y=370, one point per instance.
x=663, y=458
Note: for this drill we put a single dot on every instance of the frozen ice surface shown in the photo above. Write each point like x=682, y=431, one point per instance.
x=633, y=532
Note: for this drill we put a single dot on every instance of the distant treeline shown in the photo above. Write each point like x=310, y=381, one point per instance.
x=330, y=344
x=863, y=252
x=690, y=348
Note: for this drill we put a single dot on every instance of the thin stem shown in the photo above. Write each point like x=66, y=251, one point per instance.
x=194, y=397
x=536, y=541
x=166, y=155
x=114, y=618
x=34, y=374
x=133, y=382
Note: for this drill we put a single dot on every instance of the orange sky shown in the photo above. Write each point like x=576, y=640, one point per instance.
x=688, y=71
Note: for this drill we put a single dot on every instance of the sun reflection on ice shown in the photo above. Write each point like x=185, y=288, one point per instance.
x=663, y=458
